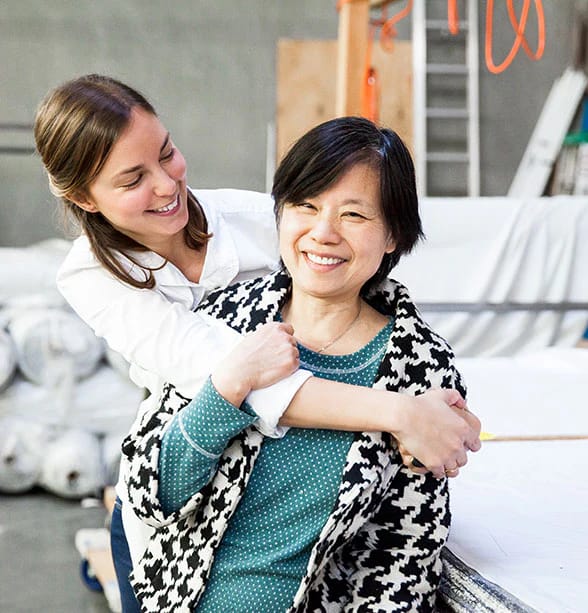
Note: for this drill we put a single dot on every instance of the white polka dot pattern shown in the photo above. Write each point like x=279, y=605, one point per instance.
x=292, y=491
x=195, y=440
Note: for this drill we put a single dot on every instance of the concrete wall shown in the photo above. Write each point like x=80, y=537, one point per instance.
x=209, y=68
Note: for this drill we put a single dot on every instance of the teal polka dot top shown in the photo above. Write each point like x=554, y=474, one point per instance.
x=292, y=491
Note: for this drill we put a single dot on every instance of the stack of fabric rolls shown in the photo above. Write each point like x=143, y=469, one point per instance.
x=65, y=402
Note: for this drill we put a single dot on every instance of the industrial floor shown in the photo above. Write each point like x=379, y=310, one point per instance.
x=39, y=564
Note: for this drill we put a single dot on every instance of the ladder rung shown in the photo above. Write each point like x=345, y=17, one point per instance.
x=447, y=69
x=441, y=113
x=441, y=24
x=448, y=156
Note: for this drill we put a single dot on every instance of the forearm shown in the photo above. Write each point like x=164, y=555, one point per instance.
x=321, y=403
x=431, y=427
x=193, y=444
x=184, y=468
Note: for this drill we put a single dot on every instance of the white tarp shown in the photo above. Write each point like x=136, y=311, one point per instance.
x=519, y=508
x=497, y=250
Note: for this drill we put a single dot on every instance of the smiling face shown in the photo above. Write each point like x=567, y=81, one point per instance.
x=141, y=189
x=333, y=243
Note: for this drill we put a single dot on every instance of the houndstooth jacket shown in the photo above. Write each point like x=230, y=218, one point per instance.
x=380, y=548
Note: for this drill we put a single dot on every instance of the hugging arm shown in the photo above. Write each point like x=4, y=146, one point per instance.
x=158, y=336
x=432, y=426
x=189, y=344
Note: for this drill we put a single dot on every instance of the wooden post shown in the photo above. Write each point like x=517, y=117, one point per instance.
x=351, y=54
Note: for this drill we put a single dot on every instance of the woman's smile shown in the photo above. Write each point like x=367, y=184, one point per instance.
x=323, y=260
x=168, y=209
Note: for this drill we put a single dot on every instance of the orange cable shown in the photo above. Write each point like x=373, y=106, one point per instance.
x=540, y=29
x=519, y=28
x=388, y=30
x=452, y=17
x=370, y=107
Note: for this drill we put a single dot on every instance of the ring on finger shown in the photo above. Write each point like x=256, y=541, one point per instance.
x=451, y=471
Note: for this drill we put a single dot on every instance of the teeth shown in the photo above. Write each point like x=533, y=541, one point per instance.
x=317, y=259
x=166, y=208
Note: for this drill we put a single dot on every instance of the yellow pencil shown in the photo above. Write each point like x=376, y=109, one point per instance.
x=488, y=436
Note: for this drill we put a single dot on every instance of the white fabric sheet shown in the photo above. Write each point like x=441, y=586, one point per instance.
x=519, y=519
x=519, y=509
x=502, y=250
x=543, y=392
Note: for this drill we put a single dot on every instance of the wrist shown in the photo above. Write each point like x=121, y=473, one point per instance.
x=233, y=389
x=392, y=412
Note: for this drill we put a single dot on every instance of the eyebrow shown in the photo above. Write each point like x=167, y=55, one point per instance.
x=139, y=166
x=357, y=201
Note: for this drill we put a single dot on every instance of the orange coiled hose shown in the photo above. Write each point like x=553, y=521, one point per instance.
x=519, y=28
x=387, y=25
x=388, y=32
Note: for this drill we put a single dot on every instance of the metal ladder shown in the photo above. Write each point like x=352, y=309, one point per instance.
x=446, y=100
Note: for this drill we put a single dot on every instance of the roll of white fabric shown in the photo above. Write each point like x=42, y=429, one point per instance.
x=72, y=465
x=31, y=270
x=54, y=346
x=103, y=403
x=21, y=448
x=7, y=360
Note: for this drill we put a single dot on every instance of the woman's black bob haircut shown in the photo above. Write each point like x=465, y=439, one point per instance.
x=323, y=155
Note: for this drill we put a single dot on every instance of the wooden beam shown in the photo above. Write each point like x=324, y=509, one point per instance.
x=351, y=54
x=306, y=86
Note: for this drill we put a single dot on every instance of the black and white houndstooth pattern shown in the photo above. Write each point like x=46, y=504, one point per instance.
x=380, y=548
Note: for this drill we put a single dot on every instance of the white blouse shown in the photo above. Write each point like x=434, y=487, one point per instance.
x=156, y=330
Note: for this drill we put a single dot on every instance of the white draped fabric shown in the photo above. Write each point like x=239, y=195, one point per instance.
x=519, y=507
x=502, y=251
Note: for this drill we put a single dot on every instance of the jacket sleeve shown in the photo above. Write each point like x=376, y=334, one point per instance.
x=141, y=453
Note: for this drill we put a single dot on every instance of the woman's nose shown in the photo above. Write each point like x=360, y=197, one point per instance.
x=325, y=230
x=164, y=184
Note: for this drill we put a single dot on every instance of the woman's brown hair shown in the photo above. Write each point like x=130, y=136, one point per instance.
x=76, y=127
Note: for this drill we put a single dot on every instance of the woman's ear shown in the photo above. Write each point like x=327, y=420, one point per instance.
x=391, y=245
x=83, y=203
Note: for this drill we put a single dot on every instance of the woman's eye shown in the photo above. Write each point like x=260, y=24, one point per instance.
x=304, y=205
x=354, y=215
x=133, y=183
x=168, y=156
